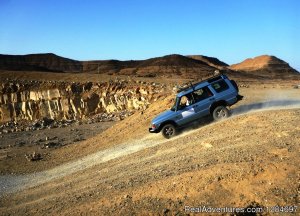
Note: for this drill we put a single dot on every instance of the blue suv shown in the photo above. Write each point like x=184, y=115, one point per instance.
x=210, y=97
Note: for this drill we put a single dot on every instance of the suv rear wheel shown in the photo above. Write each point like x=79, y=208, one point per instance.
x=169, y=131
x=220, y=113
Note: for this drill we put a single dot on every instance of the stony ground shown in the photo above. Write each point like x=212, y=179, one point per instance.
x=249, y=160
x=15, y=146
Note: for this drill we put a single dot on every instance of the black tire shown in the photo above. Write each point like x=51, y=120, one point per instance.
x=220, y=113
x=169, y=131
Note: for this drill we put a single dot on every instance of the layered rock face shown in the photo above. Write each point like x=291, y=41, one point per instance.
x=61, y=100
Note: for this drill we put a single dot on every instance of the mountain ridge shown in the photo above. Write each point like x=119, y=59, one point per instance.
x=186, y=66
x=39, y=62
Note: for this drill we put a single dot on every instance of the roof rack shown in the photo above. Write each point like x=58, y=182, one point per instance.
x=192, y=85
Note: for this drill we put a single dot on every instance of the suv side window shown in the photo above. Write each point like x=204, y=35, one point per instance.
x=220, y=86
x=201, y=94
x=185, y=101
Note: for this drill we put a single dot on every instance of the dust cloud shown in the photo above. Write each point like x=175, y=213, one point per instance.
x=270, y=100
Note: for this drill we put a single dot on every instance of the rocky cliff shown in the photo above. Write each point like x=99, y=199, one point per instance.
x=34, y=100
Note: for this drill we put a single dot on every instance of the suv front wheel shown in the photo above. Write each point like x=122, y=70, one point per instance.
x=169, y=131
x=220, y=113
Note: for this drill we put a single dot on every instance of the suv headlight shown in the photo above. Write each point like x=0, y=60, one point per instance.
x=153, y=126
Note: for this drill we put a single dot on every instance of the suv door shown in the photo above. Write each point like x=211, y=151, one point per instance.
x=186, y=110
x=203, y=98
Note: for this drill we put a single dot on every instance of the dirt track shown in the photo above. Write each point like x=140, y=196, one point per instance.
x=247, y=160
x=12, y=183
x=15, y=183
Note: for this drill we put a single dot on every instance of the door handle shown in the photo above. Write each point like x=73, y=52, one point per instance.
x=195, y=106
x=211, y=99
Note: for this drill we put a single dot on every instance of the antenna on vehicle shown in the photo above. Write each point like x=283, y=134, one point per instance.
x=192, y=85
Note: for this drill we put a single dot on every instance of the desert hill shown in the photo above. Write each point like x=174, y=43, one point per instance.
x=106, y=66
x=170, y=65
x=265, y=65
x=39, y=62
x=174, y=60
x=214, y=62
x=165, y=65
x=190, y=67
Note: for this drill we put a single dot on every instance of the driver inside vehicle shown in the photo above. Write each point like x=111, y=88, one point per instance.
x=184, y=102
